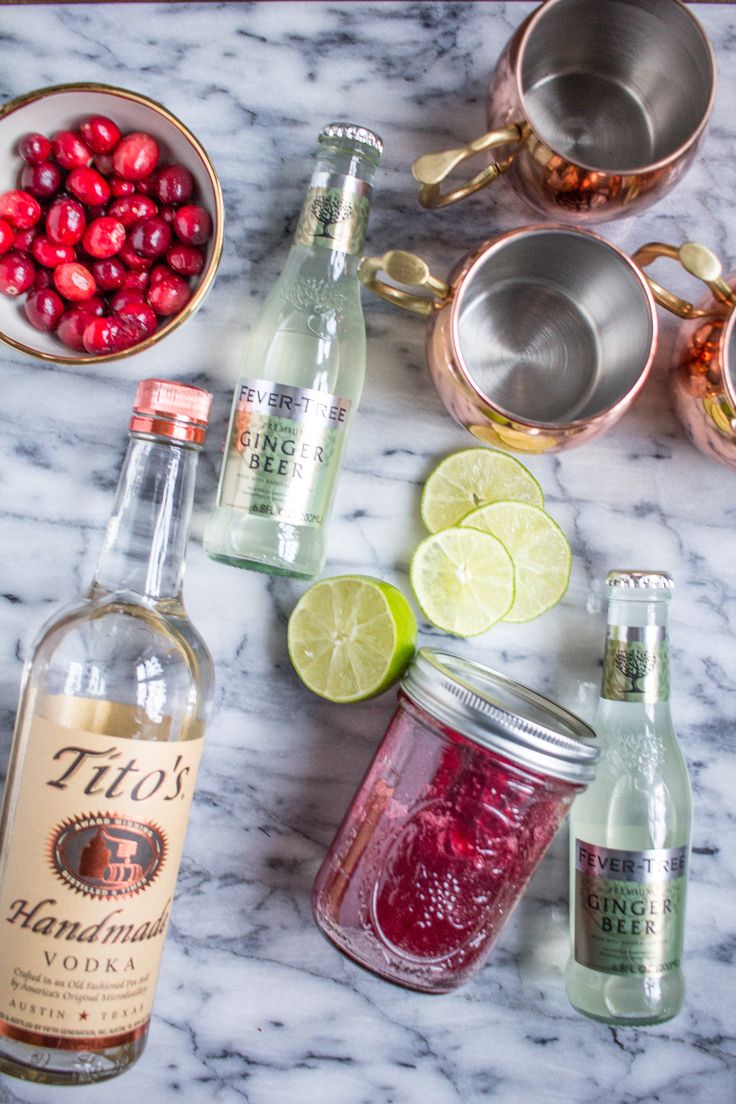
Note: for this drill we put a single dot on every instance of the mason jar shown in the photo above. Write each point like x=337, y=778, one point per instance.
x=463, y=797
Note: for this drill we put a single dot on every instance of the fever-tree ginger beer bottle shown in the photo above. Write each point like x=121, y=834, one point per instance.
x=107, y=742
x=630, y=830
x=301, y=377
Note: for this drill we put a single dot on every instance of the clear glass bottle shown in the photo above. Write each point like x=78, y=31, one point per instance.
x=109, y=731
x=301, y=378
x=630, y=831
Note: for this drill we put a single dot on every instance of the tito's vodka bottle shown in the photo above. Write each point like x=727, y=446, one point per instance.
x=301, y=378
x=103, y=764
x=630, y=830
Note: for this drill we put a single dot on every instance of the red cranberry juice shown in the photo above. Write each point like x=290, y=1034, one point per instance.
x=433, y=854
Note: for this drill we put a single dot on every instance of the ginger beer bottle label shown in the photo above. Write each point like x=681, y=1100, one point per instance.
x=91, y=859
x=335, y=213
x=636, y=664
x=284, y=452
x=629, y=908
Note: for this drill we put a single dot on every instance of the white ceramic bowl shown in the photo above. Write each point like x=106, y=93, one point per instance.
x=63, y=107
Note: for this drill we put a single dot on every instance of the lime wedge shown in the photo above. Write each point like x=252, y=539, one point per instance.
x=351, y=637
x=539, y=549
x=463, y=580
x=471, y=478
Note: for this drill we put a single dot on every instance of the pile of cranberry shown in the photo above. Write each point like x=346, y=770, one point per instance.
x=103, y=238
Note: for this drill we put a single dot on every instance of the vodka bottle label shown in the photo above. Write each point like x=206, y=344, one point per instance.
x=629, y=908
x=335, y=213
x=91, y=862
x=636, y=664
x=284, y=452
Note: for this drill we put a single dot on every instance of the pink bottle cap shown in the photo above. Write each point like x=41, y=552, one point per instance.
x=166, y=408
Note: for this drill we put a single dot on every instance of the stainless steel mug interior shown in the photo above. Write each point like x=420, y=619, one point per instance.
x=554, y=326
x=616, y=85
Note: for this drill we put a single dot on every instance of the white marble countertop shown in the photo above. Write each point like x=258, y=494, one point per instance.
x=253, y=1005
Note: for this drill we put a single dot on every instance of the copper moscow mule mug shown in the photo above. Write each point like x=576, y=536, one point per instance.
x=703, y=378
x=539, y=339
x=597, y=109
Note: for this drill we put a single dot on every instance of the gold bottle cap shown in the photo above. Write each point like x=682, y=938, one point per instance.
x=640, y=580
x=353, y=133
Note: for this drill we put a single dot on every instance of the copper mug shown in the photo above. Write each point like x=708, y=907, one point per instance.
x=703, y=378
x=597, y=109
x=542, y=337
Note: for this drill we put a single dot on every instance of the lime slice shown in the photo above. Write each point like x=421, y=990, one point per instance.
x=463, y=580
x=351, y=637
x=539, y=549
x=471, y=478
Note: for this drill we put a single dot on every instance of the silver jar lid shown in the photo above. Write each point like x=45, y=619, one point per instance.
x=353, y=133
x=502, y=715
x=640, y=580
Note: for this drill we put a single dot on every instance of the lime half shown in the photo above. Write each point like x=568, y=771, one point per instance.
x=466, y=480
x=351, y=637
x=463, y=580
x=539, y=549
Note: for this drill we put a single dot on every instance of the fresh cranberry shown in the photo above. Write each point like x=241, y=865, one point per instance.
x=103, y=163
x=75, y=282
x=104, y=237
x=135, y=156
x=69, y=150
x=104, y=335
x=71, y=328
x=138, y=280
x=24, y=239
x=151, y=237
x=100, y=133
x=17, y=272
x=108, y=274
x=19, y=208
x=42, y=180
x=131, y=209
x=43, y=279
x=120, y=187
x=174, y=184
x=125, y=297
x=193, y=224
x=187, y=260
x=51, y=254
x=142, y=313
x=65, y=221
x=147, y=186
x=88, y=186
x=159, y=271
x=96, y=306
x=7, y=236
x=167, y=214
x=34, y=148
x=43, y=309
x=132, y=258
x=169, y=295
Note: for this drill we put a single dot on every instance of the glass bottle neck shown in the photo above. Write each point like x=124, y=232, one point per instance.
x=636, y=655
x=148, y=531
x=333, y=220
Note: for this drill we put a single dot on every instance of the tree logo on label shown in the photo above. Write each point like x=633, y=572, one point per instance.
x=105, y=855
x=635, y=664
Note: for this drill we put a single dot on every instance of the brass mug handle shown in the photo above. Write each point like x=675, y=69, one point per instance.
x=405, y=268
x=700, y=262
x=432, y=168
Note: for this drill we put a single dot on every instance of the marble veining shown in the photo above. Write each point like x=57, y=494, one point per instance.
x=253, y=1005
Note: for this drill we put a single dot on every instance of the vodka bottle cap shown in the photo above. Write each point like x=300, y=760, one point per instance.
x=165, y=408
